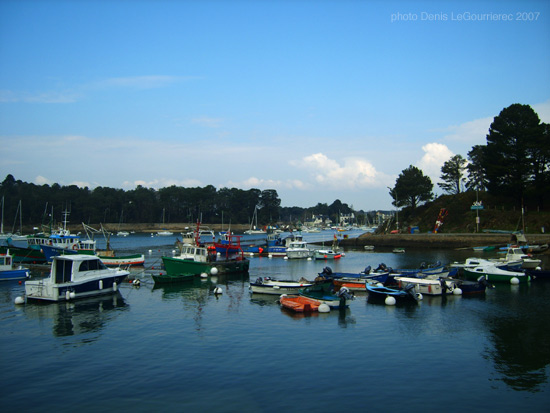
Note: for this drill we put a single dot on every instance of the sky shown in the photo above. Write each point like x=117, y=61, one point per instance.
x=319, y=100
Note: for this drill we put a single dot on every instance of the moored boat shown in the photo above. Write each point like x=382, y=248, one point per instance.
x=299, y=303
x=494, y=274
x=267, y=285
x=75, y=276
x=428, y=286
x=378, y=292
x=7, y=272
x=199, y=258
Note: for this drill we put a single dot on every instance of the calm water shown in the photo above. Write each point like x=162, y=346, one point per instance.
x=180, y=348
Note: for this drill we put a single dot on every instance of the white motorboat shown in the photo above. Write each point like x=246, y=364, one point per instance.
x=298, y=249
x=75, y=276
x=429, y=286
x=268, y=285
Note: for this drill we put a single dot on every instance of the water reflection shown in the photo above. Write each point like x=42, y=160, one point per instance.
x=89, y=315
x=519, y=332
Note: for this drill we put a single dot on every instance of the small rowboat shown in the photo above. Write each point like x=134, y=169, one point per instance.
x=299, y=303
x=268, y=285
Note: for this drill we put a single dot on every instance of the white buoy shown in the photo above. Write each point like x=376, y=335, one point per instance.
x=72, y=295
x=309, y=258
x=204, y=275
x=270, y=256
x=324, y=308
x=457, y=291
x=19, y=300
x=150, y=251
x=213, y=270
x=286, y=258
x=101, y=284
x=514, y=281
x=419, y=297
x=173, y=252
x=390, y=300
x=115, y=287
x=218, y=290
x=136, y=282
x=67, y=295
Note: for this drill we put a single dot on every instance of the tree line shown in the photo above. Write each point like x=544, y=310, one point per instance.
x=514, y=164
x=42, y=204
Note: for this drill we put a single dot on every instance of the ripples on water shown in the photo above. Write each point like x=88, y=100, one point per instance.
x=181, y=348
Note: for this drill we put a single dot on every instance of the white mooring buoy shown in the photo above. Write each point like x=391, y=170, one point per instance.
x=390, y=300
x=213, y=271
x=324, y=308
x=514, y=281
x=218, y=290
x=19, y=300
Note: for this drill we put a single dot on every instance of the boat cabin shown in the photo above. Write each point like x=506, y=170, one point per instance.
x=66, y=270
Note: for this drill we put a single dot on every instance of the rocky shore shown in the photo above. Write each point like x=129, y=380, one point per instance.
x=440, y=241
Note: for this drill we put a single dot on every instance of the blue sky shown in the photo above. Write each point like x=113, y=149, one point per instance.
x=320, y=100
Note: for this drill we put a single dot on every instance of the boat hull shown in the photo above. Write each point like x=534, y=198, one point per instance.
x=276, y=287
x=495, y=277
x=299, y=304
x=41, y=290
x=175, y=266
x=135, y=259
x=11, y=275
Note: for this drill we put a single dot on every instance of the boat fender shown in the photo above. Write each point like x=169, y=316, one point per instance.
x=457, y=291
x=213, y=270
x=218, y=290
x=324, y=308
x=389, y=300
x=19, y=300
x=419, y=297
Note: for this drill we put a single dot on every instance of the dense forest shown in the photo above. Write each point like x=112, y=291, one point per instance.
x=39, y=204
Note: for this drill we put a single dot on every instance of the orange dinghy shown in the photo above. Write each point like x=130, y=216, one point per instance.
x=299, y=304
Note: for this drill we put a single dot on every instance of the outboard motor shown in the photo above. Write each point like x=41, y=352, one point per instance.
x=367, y=270
x=327, y=271
x=259, y=280
x=443, y=286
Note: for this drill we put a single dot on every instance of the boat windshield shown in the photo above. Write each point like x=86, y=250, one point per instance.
x=91, y=265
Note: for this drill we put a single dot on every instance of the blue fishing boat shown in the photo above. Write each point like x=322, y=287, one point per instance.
x=379, y=292
x=7, y=272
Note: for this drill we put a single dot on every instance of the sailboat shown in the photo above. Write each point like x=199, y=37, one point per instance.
x=164, y=232
x=121, y=233
x=254, y=228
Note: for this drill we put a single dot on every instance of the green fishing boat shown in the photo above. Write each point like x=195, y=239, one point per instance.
x=211, y=259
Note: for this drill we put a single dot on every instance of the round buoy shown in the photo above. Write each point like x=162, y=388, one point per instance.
x=72, y=295
x=213, y=270
x=514, y=281
x=419, y=296
x=324, y=308
x=115, y=287
x=136, y=282
x=20, y=282
x=270, y=256
x=19, y=300
x=286, y=258
x=150, y=251
x=218, y=290
x=457, y=291
x=173, y=252
x=204, y=275
x=67, y=295
x=309, y=258
x=390, y=300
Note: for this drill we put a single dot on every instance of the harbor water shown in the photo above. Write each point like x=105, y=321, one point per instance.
x=183, y=348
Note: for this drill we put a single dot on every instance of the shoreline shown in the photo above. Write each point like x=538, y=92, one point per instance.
x=439, y=240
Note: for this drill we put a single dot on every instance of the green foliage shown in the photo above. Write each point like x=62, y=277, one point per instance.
x=512, y=154
x=452, y=174
x=411, y=188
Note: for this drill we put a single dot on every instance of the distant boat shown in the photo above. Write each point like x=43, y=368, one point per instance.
x=7, y=272
x=399, y=250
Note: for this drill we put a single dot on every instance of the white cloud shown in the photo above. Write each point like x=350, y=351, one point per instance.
x=8, y=96
x=436, y=154
x=352, y=174
x=207, y=121
x=473, y=132
x=543, y=110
